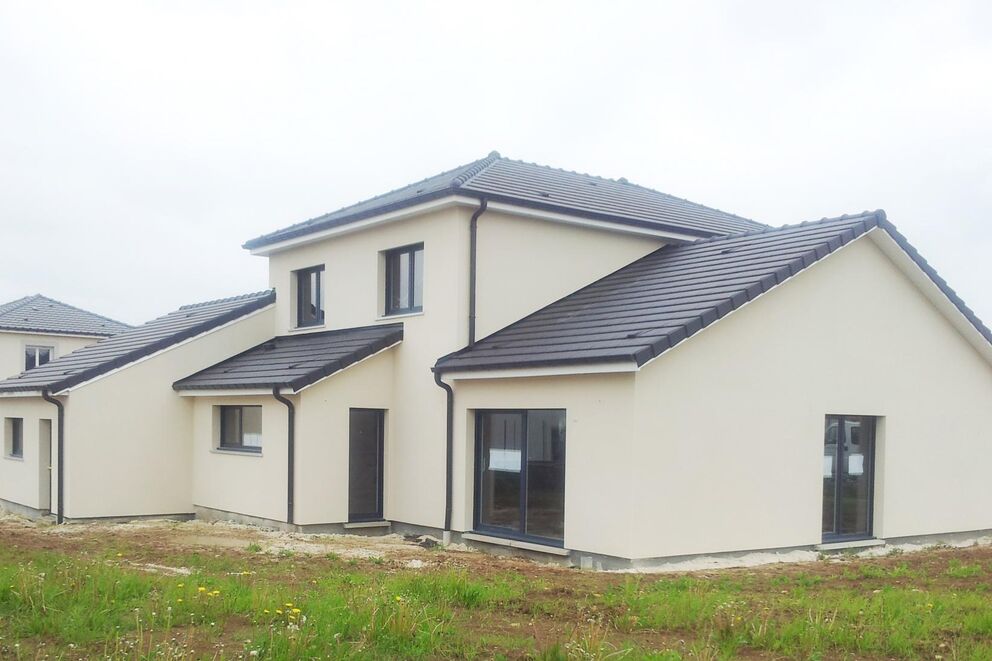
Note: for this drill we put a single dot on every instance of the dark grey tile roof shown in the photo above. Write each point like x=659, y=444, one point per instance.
x=294, y=361
x=651, y=305
x=40, y=314
x=501, y=179
x=131, y=345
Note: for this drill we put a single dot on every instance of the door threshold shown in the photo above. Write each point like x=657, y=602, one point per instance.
x=849, y=544
x=367, y=524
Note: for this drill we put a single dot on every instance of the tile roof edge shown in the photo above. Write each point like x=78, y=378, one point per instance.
x=369, y=350
x=27, y=300
x=146, y=350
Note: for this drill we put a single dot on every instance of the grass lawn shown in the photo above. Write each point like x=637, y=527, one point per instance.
x=160, y=591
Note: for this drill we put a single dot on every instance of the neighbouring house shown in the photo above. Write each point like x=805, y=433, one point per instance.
x=527, y=358
x=37, y=329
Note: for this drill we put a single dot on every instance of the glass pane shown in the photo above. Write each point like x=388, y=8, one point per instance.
x=251, y=426
x=44, y=355
x=365, y=465
x=829, y=474
x=855, y=476
x=546, y=474
x=29, y=358
x=500, y=464
x=230, y=432
x=16, y=437
x=418, y=278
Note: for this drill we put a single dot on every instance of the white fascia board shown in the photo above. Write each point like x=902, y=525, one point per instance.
x=529, y=372
x=166, y=350
x=462, y=200
x=569, y=219
x=54, y=334
x=23, y=393
x=908, y=266
x=226, y=392
x=355, y=364
x=399, y=214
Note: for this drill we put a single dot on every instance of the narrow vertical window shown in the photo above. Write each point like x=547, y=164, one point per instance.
x=405, y=280
x=35, y=356
x=848, y=476
x=310, y=297
x=14, y=435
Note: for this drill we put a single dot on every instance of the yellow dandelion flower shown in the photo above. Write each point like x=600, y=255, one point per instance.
x=296, y=611
x=289, y=604
x=179, y=585
x=265, y=611
x=278, y=611
x=179, y=600
x=201, y=589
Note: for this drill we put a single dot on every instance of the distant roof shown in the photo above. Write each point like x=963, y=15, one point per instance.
x=40, y=314
x=294, y=361
x=131, y=345
x=654, y=303
x=501, y=179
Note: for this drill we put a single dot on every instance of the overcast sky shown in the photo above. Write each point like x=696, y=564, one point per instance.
x=141, y=143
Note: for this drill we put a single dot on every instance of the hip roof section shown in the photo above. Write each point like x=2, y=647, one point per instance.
x=536, y=186
x=649, y=306
x=40, y=314
x=132, y=345
x=294, y=361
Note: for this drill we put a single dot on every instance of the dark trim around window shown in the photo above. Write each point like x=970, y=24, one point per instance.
x=871, y=437
x=401, y=280
x=309, y=296
x=15, y=447
x=36, y=355
x=498, y=531
x=232, y=429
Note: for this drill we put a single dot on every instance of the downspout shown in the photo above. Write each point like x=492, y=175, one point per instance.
x=473, y=232
x=291, y=452
x=60, y=471
x=449, y=447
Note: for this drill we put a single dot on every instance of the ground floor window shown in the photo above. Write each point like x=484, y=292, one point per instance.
x=241, y=428
x=848, y=477
x=520, y=474
x=13, y=434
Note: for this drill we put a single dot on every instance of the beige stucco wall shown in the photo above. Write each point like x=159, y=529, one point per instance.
x=23, y=480
x=599, y=505
x=524, y=264
x=129, y=435
x=12, y=348
x=729, y=433
x=549, y=259
x=256, y=484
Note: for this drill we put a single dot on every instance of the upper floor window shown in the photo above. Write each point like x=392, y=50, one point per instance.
x=310, y=297
x=14, y=437
x=37, y=355
x=241, y=428
x=405, y=280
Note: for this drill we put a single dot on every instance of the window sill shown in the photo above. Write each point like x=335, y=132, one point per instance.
x=515, y=543
x=236, y=453
x=304, y=329
x=849, y=544
x=402, y=315
x=13, y=457
x=366, y=524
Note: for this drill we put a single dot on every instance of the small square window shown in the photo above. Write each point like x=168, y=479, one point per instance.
x=35, y=356
x=240, y=428
x=13, y=433
x=310, y=297
x=405, y=280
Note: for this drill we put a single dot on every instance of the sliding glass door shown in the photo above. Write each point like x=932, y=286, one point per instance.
x=520, y=474
x=848, y=477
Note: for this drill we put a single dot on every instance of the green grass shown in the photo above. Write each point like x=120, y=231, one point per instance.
x=236, y=604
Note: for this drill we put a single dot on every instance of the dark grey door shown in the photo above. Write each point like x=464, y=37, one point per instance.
x=365, y=454
x=848, y=477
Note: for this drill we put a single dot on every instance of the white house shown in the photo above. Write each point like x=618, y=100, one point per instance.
x=525, y=357
x=36, y=329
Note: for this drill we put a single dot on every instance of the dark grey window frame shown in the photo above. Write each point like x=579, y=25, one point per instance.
x=497, y=531
x=390, y=256
x=303, y=275
x=872, y=437
x=241, y=430
x=16, y=446
x=35, y=348
x=380, y=469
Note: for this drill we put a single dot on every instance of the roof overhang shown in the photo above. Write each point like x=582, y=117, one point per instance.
x=509, y=206
x=41, y=331
x=618, y=367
